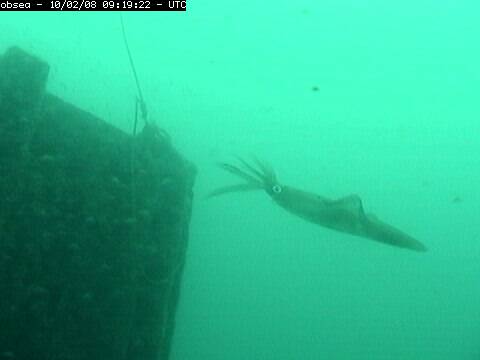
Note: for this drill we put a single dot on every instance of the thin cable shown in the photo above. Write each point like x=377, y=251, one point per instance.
x=143, y=106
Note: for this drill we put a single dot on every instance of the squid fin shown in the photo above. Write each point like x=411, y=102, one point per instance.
x=351, y=203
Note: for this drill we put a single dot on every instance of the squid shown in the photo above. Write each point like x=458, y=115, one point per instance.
x=345, y=214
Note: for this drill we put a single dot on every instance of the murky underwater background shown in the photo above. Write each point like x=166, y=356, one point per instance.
x=342, y=97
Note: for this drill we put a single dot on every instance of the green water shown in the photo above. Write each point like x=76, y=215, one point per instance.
x=374, y=98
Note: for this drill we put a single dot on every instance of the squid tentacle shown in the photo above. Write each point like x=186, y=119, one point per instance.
x=240, y=173
x=256, y=178
x=233, y=188
x=254, y=171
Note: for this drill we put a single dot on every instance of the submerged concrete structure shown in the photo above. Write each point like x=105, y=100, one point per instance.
x=93, y=228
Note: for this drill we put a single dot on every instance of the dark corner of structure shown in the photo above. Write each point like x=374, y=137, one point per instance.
x=23, y=78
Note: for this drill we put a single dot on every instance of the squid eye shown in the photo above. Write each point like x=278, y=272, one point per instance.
x=277, y=189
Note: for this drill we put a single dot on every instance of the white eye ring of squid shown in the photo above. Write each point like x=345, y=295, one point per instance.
x=277, y=189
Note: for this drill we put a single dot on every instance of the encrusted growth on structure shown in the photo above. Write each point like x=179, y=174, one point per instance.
x=93, y=228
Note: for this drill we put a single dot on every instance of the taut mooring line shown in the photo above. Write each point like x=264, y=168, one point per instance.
x=140, y=99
